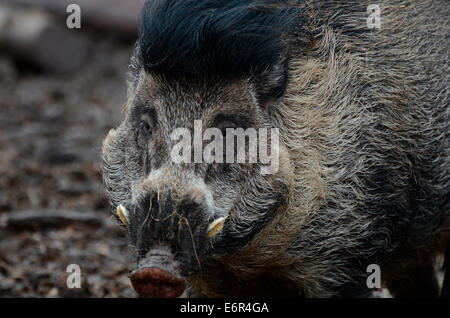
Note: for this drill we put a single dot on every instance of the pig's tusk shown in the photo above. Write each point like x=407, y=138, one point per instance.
x=123, y=214
x=215, y=227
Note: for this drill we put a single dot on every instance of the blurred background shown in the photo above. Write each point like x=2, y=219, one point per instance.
x=61, y=90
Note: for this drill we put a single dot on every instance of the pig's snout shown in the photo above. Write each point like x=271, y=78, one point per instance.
x=156, y=283
x=158, y=275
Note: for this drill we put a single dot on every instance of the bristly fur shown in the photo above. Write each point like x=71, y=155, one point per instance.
x=214, y=38
x=364, y=127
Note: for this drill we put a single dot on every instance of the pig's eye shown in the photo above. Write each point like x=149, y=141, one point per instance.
x=223, y=125
x=145, y=128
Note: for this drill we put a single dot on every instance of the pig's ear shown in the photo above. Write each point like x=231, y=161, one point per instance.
x=134, y=70
x=271, y=84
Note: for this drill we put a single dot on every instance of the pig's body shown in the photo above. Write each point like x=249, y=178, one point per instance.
x=364, y=172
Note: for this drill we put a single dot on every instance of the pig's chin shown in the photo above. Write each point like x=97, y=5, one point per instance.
x=158, y=275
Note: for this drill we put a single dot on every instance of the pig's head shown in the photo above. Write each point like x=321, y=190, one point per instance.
x=220, y=64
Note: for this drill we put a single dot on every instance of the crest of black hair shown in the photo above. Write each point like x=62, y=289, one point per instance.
x=214, y=38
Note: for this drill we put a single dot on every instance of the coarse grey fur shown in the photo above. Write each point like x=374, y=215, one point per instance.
x=364, y=166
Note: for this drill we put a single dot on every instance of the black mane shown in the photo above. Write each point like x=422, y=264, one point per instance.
x=224, y=38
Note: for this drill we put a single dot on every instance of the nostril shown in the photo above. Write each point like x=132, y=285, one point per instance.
x=156, y=283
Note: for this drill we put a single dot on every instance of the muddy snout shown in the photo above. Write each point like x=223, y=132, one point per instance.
x=158, y=275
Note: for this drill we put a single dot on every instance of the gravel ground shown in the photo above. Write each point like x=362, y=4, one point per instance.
x=51, y=129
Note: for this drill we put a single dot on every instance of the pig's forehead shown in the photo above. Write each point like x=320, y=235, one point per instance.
x=195, y=99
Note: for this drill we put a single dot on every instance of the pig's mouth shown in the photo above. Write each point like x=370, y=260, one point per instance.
x=158, y=275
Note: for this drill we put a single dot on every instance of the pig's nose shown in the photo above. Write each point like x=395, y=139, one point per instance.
x=156, y=283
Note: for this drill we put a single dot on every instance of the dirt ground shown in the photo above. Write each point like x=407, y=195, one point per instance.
x=51, y=130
